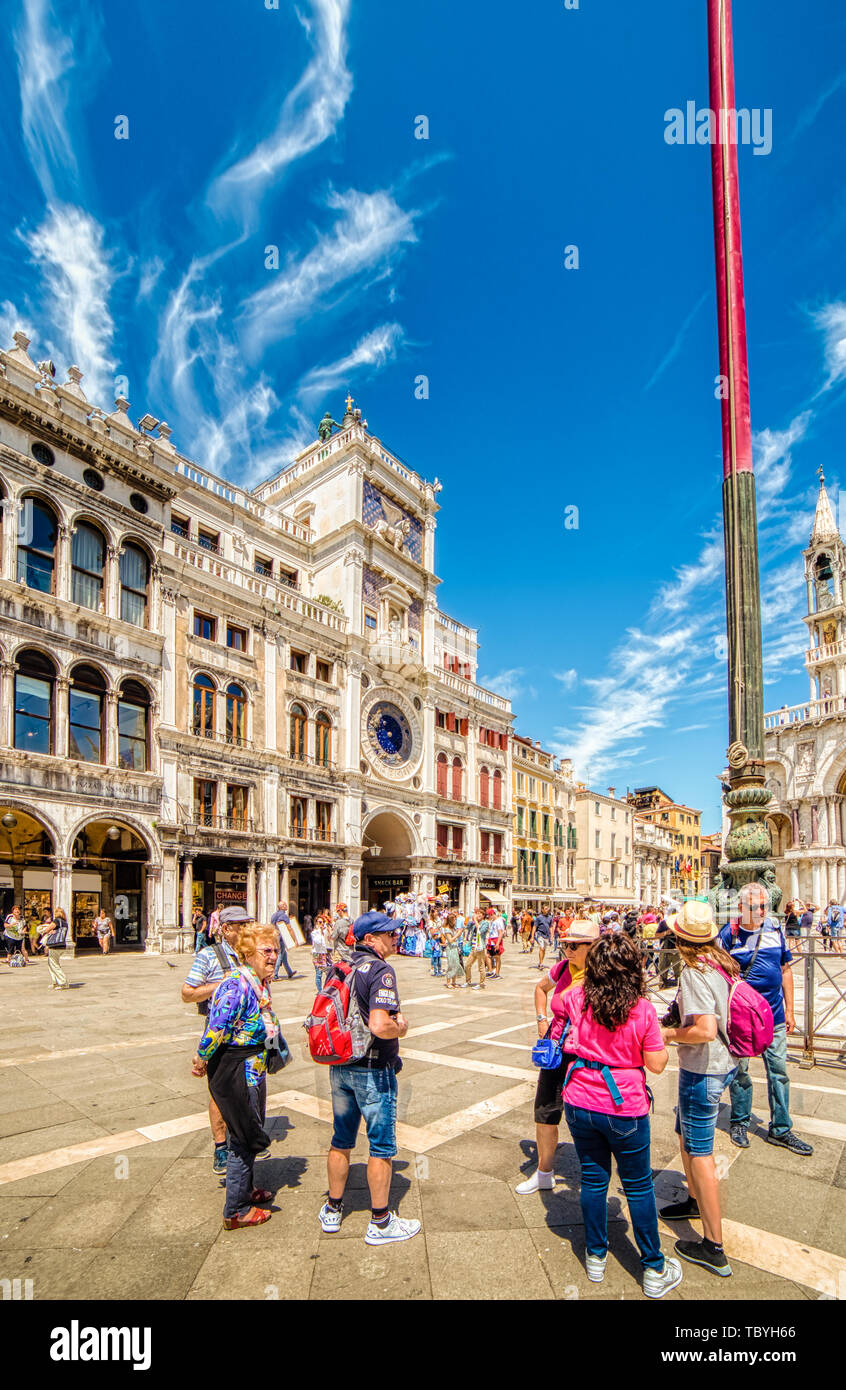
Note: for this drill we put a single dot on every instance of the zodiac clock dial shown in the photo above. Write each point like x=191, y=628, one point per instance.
x=389, y=734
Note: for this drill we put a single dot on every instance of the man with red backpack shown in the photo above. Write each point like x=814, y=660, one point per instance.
x=367, y=1085
x=756, y=941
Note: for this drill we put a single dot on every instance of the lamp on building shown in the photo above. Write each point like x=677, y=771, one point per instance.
x=9, y=821
x=113, y=833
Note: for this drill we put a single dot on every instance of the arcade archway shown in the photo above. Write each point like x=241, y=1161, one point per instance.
x=27, y=850
x=389, y=846
x=109, y=871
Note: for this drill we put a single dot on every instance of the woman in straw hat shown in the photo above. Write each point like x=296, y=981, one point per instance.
x=706, y=1068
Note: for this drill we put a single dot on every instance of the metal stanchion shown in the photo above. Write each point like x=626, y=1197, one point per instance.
x=808, y=1059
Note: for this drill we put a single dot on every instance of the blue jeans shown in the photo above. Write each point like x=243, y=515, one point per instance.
x=370, y=1092
x=627, y=1137
x=778, y=1086
x=282, y=959
x=699, y=1106
x=318, y=978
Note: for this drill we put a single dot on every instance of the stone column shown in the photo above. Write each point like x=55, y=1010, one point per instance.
x=814, y=824
x=60, y=745
x=285, y=884
x=62, y=894
x=335, y=889
x=831, y=817
x=794, y=881
x=112, y=698
x=7, y=703
x=10, y=541
x=187, y=889
x=251, y=887
x=169, y=664
x=262, y=914
x=153, y=938
x=111, y=587
x=833, y=890
x=841, y=881
x=62, y=575
x=815, y=882
x=794, y=815
x=268, y=888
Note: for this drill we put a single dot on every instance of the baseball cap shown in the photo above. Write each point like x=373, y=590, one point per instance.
x=373, y=922
x=234, y=914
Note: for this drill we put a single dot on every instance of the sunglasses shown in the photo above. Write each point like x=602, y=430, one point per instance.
x=574, y=945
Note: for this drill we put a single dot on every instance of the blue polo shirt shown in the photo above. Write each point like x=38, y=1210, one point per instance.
x=765, y=975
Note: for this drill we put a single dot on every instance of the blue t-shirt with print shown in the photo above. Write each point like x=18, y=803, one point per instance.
x=765, y=975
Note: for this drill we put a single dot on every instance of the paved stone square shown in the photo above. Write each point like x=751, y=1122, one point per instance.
x=106, y=1188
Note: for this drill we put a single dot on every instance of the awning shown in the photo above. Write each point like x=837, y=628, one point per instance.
x=490, y=896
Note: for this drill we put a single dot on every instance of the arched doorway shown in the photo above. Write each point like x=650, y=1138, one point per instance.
x=386, y=869
x=27, y=849
x=109, y=871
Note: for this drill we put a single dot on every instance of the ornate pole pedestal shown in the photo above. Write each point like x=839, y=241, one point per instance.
x=748, y=847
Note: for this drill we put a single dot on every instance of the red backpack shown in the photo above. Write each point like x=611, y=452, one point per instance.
x=336, y=1031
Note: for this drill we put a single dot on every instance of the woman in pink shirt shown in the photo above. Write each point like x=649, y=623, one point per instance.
x=614, y=1034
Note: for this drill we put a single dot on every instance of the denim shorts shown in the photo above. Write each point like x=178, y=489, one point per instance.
x=698, y=1108
x=370, y=1092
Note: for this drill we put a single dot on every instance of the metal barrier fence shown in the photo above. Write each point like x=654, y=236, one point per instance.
x=824, y=989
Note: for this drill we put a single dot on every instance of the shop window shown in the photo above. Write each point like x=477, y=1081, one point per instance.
x=236, y=638
x=34, y=703
x=236, y=715
x=297, y=741
x=133, y=726
x=203, y=723
x=134, y=585
x=86, y=703
x=88, y=554
x=37, y=533
x=205, y=627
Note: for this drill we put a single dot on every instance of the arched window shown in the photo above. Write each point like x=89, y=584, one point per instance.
x=484, y=787
x=323, y=732
x=134, y=585
x=457, y=780
x=86, y=734
x=37, y=533
x=34, y=704
x=497, y=790
x=442, y=775
x=297, y=744
x=203, y=723
x=88, y=555
x=133, y=726
x=298, y=817
x=236, y=715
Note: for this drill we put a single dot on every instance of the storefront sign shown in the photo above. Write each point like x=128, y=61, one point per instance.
x=386, y=888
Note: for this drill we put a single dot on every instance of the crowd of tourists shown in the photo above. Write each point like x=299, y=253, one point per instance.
x=598, y=1036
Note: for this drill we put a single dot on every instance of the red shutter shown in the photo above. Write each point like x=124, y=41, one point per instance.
x=451, y=723
x=497, y=845
x=484, y=837
x=458, y=838
x=464, y=726
x=503, y=741
x=457, y=779
x=442, y=775
x=497, y=790
x=467, y=670
x=484, y=787
x=442, y=837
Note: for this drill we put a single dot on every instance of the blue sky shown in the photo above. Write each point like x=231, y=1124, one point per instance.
x=549, y=388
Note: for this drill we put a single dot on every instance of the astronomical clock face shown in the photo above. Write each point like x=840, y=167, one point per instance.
x=392, y=740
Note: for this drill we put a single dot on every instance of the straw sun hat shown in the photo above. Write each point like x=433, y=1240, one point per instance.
x=695, y=923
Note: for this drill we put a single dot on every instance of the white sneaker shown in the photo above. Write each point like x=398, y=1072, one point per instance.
x=655, y=1285
x=595, y=1268
x=396, y=1229
x=330, y=1218
x=538, y=1182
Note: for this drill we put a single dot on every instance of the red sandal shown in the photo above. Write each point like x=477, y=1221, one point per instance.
x=260, y=1195
x=254, y=1217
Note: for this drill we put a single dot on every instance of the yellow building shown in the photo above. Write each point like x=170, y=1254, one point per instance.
x=684, y=824
x=540, y=828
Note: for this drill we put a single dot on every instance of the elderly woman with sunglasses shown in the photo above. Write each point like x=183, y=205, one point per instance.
x=549, y=1104
x=240, y=1028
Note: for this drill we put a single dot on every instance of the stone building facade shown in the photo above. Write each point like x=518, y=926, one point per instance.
x=605, y=853
x=805, y=745
x=544, y=827
x=653, y=862
x=219, y=695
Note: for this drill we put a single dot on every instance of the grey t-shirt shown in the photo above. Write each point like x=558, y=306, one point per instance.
x=704, y=992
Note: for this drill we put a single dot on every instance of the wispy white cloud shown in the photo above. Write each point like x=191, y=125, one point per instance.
x=69, y=250
x=676, y=345
x=310, y=113
x=368, y=235
x=806, y=118
x=831, y=321
x=509, y=684
x=690, y=728
x=13, y=319
x=242, y=422
x=149, y=275
x=373, y=350
x=675, y=596
x=45, y=57
x=567, y=678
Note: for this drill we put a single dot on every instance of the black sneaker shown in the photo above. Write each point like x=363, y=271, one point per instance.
x=791, y=1142
x=221, y=1153
x=688, y=1210
x=739, y=1137
x=699, y=1254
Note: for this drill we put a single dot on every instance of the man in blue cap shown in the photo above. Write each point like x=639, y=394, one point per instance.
x=368, y=1086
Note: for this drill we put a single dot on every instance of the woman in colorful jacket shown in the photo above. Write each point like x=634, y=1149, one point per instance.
x=240, y=1027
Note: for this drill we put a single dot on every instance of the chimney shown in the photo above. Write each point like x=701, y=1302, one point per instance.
x=611, y=791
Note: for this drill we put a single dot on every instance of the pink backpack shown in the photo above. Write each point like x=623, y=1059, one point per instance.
x=749, y=1027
